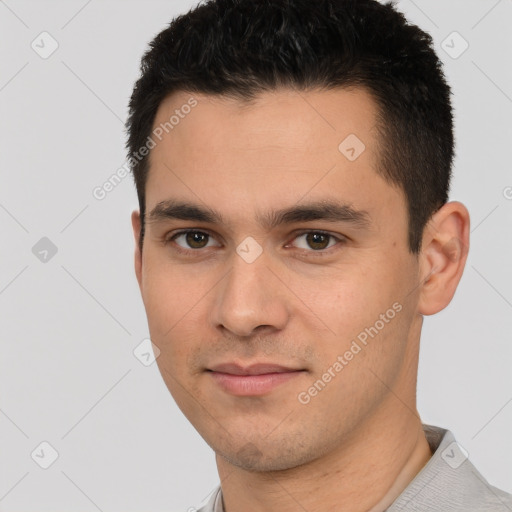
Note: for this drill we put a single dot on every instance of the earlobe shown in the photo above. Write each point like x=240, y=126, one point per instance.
x=137, y=256
x=443, y=256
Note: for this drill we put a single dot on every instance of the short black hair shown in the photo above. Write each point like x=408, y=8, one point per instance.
x=240, y=48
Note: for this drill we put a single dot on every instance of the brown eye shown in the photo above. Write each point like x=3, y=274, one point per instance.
x=193, y=240
x=316, y=240
x=196, y=239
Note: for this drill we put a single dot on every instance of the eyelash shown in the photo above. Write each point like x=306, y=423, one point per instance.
x=318, y=253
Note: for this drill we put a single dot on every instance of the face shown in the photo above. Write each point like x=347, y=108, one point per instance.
x=275, y=272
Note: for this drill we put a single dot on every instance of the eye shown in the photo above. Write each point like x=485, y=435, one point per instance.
x=317, y=240
x=192, y=239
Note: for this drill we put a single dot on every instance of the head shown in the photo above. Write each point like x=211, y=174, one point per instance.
x=310, y=163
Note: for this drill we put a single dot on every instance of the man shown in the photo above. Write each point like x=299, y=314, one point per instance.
x=292, y=161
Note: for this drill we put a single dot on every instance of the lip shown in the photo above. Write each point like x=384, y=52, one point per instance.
x=253, y=369
x=253, y=380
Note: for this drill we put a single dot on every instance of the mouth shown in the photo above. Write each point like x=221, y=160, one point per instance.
x=254, y=380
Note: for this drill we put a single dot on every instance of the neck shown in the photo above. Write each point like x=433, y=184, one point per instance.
x=366, y=474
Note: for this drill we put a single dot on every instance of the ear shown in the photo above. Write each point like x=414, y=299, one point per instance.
x=138, y=256
x=443, y=256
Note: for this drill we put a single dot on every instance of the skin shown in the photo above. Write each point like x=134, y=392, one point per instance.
x=358, y=442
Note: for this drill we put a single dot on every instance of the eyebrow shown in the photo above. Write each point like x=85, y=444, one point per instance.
x=326, y=210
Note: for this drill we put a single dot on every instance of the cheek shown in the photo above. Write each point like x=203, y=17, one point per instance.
x=365, y=303
x=168, y=293
x=173, y=322
x=343, y=299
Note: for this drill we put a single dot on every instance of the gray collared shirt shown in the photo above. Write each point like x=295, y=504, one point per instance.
x=447, y=483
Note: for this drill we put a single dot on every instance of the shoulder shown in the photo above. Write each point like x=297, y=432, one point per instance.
x=450, y=482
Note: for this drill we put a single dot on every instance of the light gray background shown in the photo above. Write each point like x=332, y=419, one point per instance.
x=69, y=326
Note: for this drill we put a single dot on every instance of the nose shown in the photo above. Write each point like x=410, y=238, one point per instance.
x=250, y=296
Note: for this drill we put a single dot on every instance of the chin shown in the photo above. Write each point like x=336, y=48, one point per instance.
x=251, y=457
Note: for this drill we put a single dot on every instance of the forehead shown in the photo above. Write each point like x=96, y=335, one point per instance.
x=271, y=152
x=283, y=119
